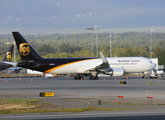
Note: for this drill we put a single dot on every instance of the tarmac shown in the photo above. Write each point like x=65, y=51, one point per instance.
x=70, y=93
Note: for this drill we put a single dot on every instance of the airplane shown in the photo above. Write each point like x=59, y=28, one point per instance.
x=91, y=67
x=14, y=69
x=7, y=57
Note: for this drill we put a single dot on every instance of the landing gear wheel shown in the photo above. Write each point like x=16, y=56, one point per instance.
x=96, y=78
x=78, y=77
x=93, y=78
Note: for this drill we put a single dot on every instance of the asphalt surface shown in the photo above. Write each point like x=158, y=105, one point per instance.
x=106, y=88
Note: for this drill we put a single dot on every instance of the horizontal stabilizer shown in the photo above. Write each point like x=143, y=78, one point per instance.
x=10, y=63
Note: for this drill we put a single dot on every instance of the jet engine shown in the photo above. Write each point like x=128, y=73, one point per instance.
x=115, y=72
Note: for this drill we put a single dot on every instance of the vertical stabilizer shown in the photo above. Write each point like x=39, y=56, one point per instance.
x=25, y=50
x=9, y=53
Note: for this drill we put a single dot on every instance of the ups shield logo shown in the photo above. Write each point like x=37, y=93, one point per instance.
x=8, y=56
x=24, y=49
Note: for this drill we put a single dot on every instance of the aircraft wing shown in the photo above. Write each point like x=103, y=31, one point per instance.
x=105, y=65
x=106, y=69
x=102, y=67
x=10, y=63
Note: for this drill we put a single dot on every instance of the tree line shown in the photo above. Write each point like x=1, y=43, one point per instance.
x=128, y=44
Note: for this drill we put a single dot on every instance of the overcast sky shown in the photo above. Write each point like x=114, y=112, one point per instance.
x=79, y=14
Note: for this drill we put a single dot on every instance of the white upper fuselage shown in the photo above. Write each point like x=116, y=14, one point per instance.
x=131, y=64
x=128, y=64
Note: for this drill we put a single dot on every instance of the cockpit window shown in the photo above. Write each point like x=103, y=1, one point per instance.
x=150, y=61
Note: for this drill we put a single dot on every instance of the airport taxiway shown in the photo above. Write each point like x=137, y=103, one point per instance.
x=68, y=87
x=70, y=93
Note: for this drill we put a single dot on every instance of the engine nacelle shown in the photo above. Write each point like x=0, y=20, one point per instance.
x=115, y=72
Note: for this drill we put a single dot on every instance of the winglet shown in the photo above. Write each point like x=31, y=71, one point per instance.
x=103, y=58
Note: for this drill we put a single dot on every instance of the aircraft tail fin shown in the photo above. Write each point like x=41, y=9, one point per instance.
x=9, y=53
x=25, y=50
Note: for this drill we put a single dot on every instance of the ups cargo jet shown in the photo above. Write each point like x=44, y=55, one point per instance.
x=80, y=66
x=7, y=57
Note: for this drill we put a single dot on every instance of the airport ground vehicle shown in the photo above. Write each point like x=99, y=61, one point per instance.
x=48, y=75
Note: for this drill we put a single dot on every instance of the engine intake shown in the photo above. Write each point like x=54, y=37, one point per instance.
x=115, y=72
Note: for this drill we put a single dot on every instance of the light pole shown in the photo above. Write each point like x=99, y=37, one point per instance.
x=110, y=44
x=151, y=30
x=97, y=28
x=91, y=38
x=97, y=42
x=94, y=28
x=14, y=53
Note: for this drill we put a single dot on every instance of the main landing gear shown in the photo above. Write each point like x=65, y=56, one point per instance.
x=93, y=77
x=78, y=77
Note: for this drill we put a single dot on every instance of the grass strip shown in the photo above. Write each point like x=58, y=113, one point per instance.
x=21, y=100
x=69, y=110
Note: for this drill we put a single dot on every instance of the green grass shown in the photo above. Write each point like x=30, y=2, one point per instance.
x=21, y=100
x=150, y=82
x=137, y=104
x=70, y=110
x=39, y=108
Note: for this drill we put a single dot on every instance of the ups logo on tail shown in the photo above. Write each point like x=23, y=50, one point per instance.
x=8, y=56
x=24, y=49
